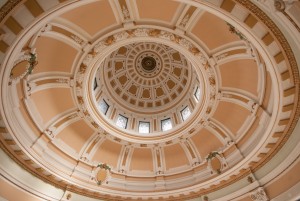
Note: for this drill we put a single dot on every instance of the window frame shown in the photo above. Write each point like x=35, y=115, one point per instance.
x=106, y=104
x=95, y=86
x=124, y=118
x=166, y=119
x=148, y=126
x=195, y=94
x=186, y=107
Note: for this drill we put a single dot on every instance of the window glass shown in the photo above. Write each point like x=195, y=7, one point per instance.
x=185, y=113
x=144, y=127
x=103, y=106
x=166, y=124
x=95, y=84
x=197, y=94
x=122, y=121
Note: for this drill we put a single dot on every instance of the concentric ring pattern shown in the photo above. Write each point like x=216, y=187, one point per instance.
x=181, y=99
x=160, y=87
x=147, y=93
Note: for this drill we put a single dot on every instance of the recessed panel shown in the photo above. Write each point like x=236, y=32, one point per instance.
x=56, y=100
x=141, y=159
x=213, y=31
x=240, y=74
x=206, y=142
x=76, y=134
x=86, y=16
x=54, y=55
x=231, y=115
x=175, y=156
x=157, y=9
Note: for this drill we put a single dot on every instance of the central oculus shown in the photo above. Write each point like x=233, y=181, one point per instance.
x=148, y=63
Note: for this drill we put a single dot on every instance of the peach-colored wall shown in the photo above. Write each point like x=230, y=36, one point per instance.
x=76, y=134
x=240, y=74
x=175, y=156
x=92, y=17
x=237, y=114
x=157, y=9
x=141, y=159
x=108, y=152
x=213, y=31
x=206, y=142
x=53, y=55
x=53, y=101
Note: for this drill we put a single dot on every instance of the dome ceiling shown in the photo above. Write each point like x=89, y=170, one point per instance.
x=145, y=83
x=147, y=76
x=179, y=98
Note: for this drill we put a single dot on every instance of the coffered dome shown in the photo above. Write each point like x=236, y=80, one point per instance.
x=148, y=85
x=147, y=76
x=149, y=100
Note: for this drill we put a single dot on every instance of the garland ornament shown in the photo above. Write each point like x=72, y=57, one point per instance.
x=233, y=30
x=32, y=63
x=104, y=166
x=102, y=173
x=21, y=69
x=212, y=155
x=216, y=162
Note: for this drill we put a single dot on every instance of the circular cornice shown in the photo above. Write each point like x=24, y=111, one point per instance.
x=86, y=72
x=138, y=94
x=125, y=78
x=294, y=116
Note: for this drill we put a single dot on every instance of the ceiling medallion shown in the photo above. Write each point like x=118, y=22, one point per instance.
x=148, y=63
